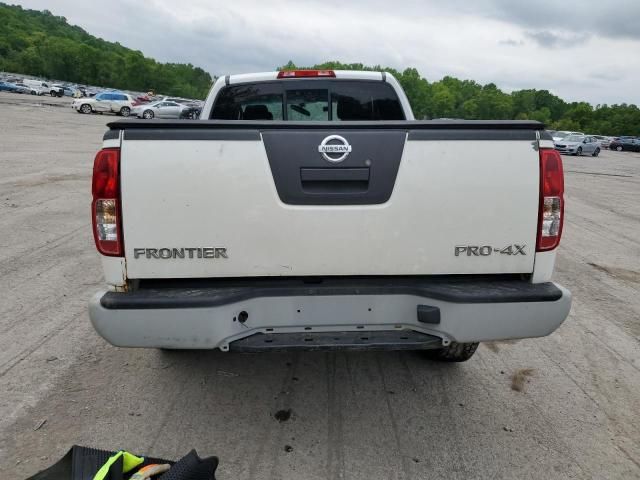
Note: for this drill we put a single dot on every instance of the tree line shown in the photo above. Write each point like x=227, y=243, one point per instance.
x=42, y=44
x=454, y=98
x=39, y=43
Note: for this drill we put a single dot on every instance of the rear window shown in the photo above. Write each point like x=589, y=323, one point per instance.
x=308, y=100
x=308, y=104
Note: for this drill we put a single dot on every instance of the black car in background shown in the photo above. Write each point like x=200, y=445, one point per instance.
x=191, y=111
x=625, y=143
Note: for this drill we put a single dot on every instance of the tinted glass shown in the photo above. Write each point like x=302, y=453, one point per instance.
x=308, y=105
x=309, y=100
x=249, y=102
x=370, y=101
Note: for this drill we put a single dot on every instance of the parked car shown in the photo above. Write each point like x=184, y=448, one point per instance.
x=110, y=102
x=578, y=144
x=83, y=90
x=22, y=88
x=191, y=111
x=604, y=141
x=141, y=99
x=158, y=110
x=8, y=87
x=561, y=134
x=195, y=245
x=54, y=91
x=181, y=101
x=625, y=143
x=30, y=90
x=67, y=91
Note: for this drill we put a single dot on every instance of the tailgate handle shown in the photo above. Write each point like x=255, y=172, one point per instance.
x=334, y=174
x=334, y=180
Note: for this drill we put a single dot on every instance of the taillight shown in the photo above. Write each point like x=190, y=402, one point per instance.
x=306, y=73
x=550, y=216
x=105, y=208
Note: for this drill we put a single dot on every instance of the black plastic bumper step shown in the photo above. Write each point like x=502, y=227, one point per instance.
x=356, y=340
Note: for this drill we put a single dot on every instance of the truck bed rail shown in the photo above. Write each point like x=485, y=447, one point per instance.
x=127, y=124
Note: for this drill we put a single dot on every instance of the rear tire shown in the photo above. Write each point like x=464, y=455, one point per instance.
x=596, y=152
x=125, y=111
x=147, y=114
x=619, y=148
x=454, y=352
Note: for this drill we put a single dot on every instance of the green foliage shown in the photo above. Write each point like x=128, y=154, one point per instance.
x=41, y=44
x=454, y=98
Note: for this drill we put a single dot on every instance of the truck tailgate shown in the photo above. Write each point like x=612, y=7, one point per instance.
x=407, y=200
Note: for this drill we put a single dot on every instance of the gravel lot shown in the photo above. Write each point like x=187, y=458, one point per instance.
x=354, y=415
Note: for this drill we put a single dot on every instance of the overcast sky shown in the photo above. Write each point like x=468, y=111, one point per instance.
x=579, y=49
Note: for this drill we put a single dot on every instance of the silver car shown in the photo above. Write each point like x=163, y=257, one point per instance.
x=578, y=145
x=158, y=110
x=604, y=141
x=22, y=88
x=562, y=134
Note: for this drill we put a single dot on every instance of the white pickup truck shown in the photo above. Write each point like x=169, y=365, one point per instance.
x=309, y=210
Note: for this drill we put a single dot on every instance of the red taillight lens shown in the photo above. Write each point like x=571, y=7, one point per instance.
x=105, y=208
x=306, y=73
x=551, y=213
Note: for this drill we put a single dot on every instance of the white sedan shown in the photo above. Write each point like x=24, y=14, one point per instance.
x=162, y=109
x=114, y=102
